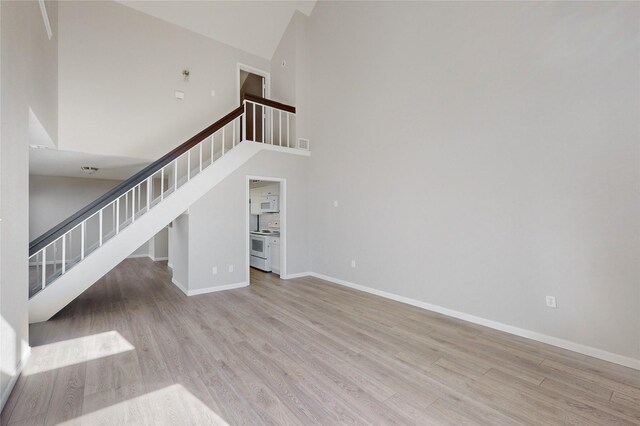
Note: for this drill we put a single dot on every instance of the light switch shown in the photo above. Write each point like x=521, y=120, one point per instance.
x=179, y=95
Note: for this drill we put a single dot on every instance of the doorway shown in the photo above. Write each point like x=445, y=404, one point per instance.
x=266, y=228
x=254, y=82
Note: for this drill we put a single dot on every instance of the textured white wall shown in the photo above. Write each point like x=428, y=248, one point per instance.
x=119, y=69
x=27, y=80
x=484, y=155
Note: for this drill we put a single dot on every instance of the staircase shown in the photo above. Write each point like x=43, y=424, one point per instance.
x=70, y=257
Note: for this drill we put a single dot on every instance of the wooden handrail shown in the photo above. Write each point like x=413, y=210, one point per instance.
x=87, y=211
x=269, y=103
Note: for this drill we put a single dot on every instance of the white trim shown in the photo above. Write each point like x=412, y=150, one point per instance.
x=170, y=265
x=213, y=289
x=158, y=259
x=283, y=220
x=297, y=275
x=179, y=285
x=253, y=70
x=12, y=382
x=284, y=149
x=137, y=256
x=266, y=91
x=533, y=335
x=45, y=17
x=205, y=290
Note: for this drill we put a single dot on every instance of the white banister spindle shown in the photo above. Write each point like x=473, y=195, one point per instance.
x=188, y=165
x=233, y=136
x=117, y=215
x=148, y=193
x=223, y=146
x=288, y=146
x=213, y=140
x=99, y=231
x=280, y=127
x=139, y=191
x=254, y=122
x=175, y=173
x=224, y=136
x=271, y=119
x=162, y=184
x=133, y=204
x=44, y=267
x=200, y=146
x=244, y=121
x=126, y=206
x=82, y=231
x=262, y=121
x=64, y=253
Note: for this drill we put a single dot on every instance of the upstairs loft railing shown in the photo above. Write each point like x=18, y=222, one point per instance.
x=65, y=245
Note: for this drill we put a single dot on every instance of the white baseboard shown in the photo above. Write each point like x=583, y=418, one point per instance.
x=158, y=259
x=533, y=335
x=207, y=289
x=216, y=288
x=137, y=256
x=170, y=265
x=12, y=382
x=179, y=285
x=296, y=275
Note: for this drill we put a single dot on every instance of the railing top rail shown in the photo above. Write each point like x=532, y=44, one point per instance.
x=269, y=103
x=57, y=231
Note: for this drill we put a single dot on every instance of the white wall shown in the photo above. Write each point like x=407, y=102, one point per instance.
x=27, y=80
x=290, y=83
x=179, y=250
x=159, y=246
x=218, y=229
x=53, y=199
x=484, y=155
x=118, y=71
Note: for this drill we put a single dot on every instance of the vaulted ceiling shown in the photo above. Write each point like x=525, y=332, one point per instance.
x=253, y=26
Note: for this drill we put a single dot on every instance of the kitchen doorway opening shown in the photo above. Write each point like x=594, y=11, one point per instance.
x=266, y=225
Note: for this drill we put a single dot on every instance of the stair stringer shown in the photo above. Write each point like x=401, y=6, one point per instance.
x=67, y=287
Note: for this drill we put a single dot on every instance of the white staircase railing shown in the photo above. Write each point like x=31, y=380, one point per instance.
x=70, y=242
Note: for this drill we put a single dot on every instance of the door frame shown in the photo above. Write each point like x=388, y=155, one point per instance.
x=283, y=223
x=257, y=71
x=266, y=120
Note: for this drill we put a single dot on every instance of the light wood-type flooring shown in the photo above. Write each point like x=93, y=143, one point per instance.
x=133, y=349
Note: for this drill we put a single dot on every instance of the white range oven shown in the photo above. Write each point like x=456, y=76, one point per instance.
x=259, y=252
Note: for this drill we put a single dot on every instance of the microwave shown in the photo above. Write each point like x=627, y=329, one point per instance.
x=270, y=204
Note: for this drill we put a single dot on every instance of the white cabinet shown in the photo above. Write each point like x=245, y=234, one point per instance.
x=262, y=195
x=274, y=246
x=271, y=190
x=255, y=195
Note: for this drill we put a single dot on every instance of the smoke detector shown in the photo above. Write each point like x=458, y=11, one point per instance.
x=89, y=169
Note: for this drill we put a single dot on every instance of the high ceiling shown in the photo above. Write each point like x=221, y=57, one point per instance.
x=253, y=26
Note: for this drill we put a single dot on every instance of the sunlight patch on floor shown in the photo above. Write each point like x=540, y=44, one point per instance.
x=173, y=405
x=74, y=351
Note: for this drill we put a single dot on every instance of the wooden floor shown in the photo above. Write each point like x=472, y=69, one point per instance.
x=134, y=349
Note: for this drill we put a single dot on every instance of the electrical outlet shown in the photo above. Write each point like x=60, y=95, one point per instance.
x=230, y=268
x=353, y=263
x=551, y=302
x=335, y=203
x=214, y=270
x=179, y=94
